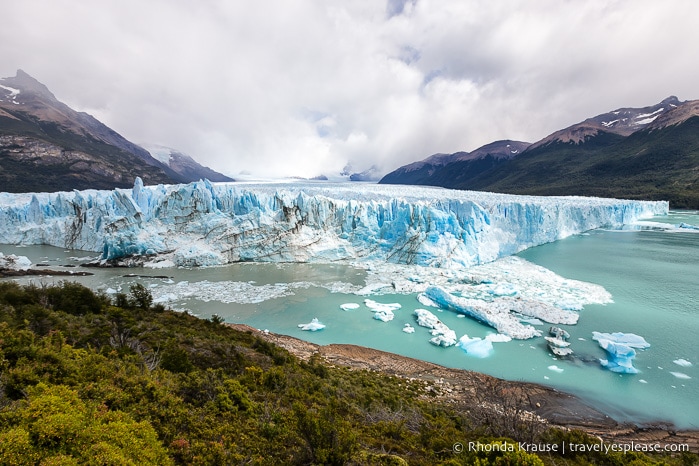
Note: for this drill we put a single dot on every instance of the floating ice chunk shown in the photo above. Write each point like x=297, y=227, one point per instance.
x=425, y=301
x=384, y=315
x=476, y=347
x=110, y=291
x=349, y=306
x=687, y=226
x=374, y=306
x=407, y=328
x=620, y=347
x=628, y=339
x=682, y=362
x=498, y=338
x=555, y=368
x=681, y=375
x=443, y=335
x=445, y=338
x=426, y=319
x=498, y=317
x=13, y=262
x=313, y=326
x=643, y=381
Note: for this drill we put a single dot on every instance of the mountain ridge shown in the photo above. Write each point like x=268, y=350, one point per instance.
x=47, y=146
x=637, y=153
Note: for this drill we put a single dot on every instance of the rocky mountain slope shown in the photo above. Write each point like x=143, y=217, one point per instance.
x=639, y=153
x=47, y=146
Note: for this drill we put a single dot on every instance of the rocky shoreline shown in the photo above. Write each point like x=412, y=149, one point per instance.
x=462, y=387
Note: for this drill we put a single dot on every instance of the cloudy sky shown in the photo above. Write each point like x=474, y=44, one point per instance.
x=302, y=87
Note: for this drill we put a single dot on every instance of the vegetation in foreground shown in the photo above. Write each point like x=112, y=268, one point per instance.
x=84, y=380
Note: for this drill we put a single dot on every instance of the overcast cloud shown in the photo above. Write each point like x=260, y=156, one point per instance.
x=302, y=87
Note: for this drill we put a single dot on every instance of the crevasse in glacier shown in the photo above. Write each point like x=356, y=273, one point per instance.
x=207, y=224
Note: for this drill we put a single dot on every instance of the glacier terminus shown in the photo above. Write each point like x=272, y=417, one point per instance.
x=204, y=224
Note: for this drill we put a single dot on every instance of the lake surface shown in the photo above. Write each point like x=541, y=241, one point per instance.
x=651, y=273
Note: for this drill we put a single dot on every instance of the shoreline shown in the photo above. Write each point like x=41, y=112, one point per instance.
x=459, y=387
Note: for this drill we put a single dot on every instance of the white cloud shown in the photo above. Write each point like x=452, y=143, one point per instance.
x=303, y=87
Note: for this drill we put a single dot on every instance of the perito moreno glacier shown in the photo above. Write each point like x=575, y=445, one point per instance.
x=200, y=224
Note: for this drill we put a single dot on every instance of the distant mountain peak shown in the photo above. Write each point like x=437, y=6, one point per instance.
x=27, y=83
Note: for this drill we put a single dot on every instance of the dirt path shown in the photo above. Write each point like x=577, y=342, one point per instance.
x=460, y=387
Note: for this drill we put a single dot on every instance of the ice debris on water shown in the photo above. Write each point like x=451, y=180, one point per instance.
x=14, y=262
x=349, y=306
x=681, y=375
x=682, y=362
x=313, y=326
x=441, y=334
x=620, y=349
x=407, y=328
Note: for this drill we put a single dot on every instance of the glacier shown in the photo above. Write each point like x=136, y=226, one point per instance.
x=202, y=224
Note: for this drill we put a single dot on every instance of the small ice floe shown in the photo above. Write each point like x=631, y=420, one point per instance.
x=407, y=328
x=498, y=338
x=313, y=326
x=555, y=368
x=110, y=291
x=682, y=362
x=374, y=306
x=476, y=347
x=442, y=335
x=349, y=306
x=681, y=375
x=643, y=381
x=384, y=316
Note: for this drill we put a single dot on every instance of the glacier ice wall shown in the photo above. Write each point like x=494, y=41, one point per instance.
x=207, y=224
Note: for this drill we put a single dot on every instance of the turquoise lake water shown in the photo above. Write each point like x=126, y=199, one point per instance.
x=652, y=275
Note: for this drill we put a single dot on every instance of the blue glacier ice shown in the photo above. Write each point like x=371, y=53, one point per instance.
x=202, y=223
x=620, y=349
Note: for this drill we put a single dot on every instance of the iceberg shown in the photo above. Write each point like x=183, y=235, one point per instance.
x=407, y=328
x=476, y=347
x=14, y=262
x=201, y=223
x=620, y=348
x=349, y=306
x=442, y=335
x=499, y=318
x=313, y=326
x=384, y=316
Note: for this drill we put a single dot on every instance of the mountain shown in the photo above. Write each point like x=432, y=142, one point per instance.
x=446, y=169
x=47, y=146
x=647, y=153
x=185, y=167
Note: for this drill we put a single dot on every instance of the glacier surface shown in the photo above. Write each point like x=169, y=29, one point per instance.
x=200, y=224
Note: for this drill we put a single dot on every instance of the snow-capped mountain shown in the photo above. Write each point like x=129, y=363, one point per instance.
x=183, y=165
x=622, y=121
x=638, y=153
x=47, y=146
